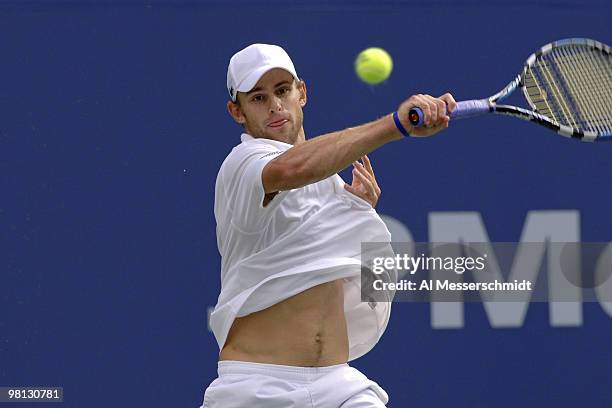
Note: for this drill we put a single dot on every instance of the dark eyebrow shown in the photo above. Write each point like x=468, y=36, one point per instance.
x=259, y=88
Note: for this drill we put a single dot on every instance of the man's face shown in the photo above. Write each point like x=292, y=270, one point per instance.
x=273, y=108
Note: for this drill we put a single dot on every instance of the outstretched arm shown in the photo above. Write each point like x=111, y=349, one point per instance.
x=323, y=156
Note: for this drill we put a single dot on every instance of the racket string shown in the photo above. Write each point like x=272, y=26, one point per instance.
x=549, y=94
x=570, y=64
x=573, y=85
x=605, y=91
x=535, y=96
x=589, y=83
x=585, y=62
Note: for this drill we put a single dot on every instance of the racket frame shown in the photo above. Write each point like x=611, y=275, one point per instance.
x=491, y=104
x=533, y=115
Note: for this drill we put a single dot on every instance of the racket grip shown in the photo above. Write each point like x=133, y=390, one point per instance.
x=464, y=109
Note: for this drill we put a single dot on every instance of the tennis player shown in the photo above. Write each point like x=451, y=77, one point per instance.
x=289, y=317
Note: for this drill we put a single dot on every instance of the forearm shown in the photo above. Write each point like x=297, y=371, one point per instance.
x=323, y=156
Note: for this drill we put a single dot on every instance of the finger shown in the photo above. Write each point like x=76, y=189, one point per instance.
x=356, y=191
x=429, y=131
x=421, y=102
x=370, y=169
x=368, y=164
x=439, y=127
x=433, y=108
x=438, y=112
x=360, y=167
x=355, y=183
x=365, y=162
x=451, y=104
x=351, y=189
x=371, y=190
x=366, y=182
x=445, y=123
x=441, y=110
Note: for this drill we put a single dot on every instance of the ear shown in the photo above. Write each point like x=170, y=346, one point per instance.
x=303, y=93
x=236, y=112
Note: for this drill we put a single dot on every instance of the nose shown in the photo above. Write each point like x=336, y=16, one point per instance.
x=275, y=104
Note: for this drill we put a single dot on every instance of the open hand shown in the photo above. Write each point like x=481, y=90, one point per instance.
x=364, y=183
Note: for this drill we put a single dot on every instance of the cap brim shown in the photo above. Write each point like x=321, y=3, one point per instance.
x=251, y=80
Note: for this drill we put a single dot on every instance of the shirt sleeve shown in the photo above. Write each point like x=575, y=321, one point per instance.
x=245, y=191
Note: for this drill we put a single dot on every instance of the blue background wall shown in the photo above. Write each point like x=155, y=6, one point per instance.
x=112, y=128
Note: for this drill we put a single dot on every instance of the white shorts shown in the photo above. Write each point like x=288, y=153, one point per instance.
x=255, y=385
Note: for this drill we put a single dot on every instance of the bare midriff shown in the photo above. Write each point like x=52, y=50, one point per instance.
x=307, y=330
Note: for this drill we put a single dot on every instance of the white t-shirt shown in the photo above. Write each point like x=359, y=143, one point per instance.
x=302, y=238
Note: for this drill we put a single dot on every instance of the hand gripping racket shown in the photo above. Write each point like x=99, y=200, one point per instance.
x=568, y=84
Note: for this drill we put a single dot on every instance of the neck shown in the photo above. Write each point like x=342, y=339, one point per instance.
x=301, y=137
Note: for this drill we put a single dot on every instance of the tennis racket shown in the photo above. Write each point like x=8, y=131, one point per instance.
x=568, y=84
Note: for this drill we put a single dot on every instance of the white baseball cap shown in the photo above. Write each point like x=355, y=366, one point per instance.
x=248, y=65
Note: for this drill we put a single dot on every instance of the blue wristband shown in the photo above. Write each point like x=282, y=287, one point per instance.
x=399, y=125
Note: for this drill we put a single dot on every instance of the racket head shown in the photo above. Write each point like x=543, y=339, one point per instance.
x=570, y=82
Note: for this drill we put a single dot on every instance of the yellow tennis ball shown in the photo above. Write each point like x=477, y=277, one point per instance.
x=373, y=65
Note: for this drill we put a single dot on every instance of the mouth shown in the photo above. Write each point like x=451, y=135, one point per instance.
x=277, y=123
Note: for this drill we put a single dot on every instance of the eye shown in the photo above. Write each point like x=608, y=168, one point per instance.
x=282, y=91
x=257, y=98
